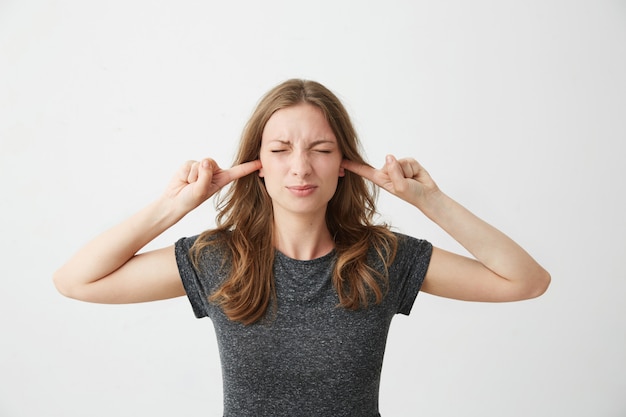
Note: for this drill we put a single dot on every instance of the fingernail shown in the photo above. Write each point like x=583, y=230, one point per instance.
x=389, y=159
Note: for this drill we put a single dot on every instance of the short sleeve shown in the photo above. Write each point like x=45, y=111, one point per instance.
x=191, y=282
x=409, y=270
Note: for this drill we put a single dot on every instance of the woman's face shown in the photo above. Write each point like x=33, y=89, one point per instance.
x=301, y=160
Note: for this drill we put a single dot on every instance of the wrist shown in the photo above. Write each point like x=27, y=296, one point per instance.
x=432, y=200
x=163, y=213
x=434, y=204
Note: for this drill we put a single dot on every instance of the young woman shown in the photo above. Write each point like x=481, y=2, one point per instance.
x=298, y=281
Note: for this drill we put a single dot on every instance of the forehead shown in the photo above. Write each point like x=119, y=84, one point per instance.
x=301, y=122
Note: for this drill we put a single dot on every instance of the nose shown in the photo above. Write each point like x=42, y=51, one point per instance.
x=300, y=165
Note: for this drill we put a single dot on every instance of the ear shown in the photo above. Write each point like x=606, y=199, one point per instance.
x=342, y=171
x=261, y=174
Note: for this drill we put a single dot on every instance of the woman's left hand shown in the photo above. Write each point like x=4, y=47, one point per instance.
x=405, y=178
x=501, y=270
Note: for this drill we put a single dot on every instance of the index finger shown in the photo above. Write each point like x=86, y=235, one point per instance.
x=363, y=170
x=241, y=170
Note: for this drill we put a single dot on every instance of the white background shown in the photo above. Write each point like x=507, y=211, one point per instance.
x=517, y=109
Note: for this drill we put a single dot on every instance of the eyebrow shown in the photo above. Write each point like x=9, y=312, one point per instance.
x=311, y=145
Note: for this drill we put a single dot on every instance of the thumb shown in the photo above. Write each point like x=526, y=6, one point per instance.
x=205, y=176
x=396, y=174
x=394, y=170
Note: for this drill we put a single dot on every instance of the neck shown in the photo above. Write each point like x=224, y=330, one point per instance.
x=302, y=238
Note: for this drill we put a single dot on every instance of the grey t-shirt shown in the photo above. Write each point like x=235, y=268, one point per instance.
x=313, y=358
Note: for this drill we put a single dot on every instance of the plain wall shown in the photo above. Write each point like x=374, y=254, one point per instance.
x=517, y=109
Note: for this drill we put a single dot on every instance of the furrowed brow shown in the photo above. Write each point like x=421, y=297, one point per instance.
x=322, y=142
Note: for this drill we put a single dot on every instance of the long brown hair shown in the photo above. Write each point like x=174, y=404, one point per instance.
x=245, y=218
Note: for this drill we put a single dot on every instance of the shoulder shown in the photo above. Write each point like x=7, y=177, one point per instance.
x=411, y=251
x=412, y=244
x=210, y=238
x=185, y=243
x=206, y=251
x=399, y=250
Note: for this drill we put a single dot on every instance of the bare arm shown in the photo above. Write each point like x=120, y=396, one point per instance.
x=501, y=270
x=109, y=270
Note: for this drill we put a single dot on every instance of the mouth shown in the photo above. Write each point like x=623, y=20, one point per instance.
x=301, y=187
x=302, y=190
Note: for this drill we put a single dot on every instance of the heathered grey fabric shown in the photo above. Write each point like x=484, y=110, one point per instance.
x=313, y=358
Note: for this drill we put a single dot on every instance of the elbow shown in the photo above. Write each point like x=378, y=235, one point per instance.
x=539, y=284
x=59, y=284
x=71, y=286
x=63, y=285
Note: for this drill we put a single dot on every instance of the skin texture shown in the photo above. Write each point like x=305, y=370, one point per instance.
x=300, y=164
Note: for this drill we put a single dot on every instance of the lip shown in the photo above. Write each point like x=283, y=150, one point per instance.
x=301, y=187
x=302, y=190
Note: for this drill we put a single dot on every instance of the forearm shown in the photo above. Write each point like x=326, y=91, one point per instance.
x=500, y=271
x=116, y=246
x=488, y=245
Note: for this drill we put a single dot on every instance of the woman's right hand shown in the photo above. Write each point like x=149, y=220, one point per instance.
x=109, y=269
x=197, y=181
